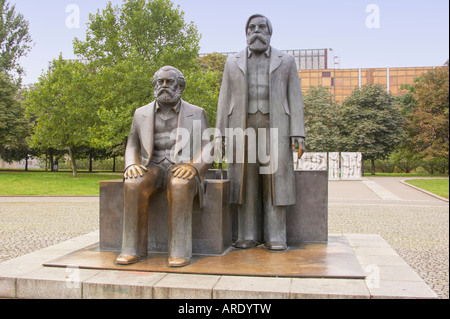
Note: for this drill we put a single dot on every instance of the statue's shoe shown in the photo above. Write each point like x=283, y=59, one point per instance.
x=178, y=262
x=124, y=259
x=276, y=245
x=245, y=244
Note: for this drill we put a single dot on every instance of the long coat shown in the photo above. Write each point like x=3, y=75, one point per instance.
x=286, y=114
x=193, y=119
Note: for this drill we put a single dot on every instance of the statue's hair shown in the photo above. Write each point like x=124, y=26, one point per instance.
x=269, y=24
x=179, y=76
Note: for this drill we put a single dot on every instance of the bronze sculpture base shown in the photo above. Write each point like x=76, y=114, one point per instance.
x=334, y=259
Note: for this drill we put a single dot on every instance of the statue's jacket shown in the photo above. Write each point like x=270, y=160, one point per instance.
x=286, y=114
x=191, y=119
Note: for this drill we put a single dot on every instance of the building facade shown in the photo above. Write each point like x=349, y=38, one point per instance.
x=318, y=67
x=343, y=81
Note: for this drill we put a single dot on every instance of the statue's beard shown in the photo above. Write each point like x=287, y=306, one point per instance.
x=167, y=96
x=258, y=42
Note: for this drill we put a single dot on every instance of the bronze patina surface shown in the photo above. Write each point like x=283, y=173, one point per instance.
x=334, y=259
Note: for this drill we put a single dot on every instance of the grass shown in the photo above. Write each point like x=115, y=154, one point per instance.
x=63, y=183
x=367, y=174
x=435, y=186
x=46, y=183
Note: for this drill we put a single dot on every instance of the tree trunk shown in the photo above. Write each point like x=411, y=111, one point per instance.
x=51, y=161
x=72, y=161
x=26, y=163
x=90, y=161
x=114, y=163
x=373, y=166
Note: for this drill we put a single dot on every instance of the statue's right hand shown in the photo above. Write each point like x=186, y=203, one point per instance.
x=134, y=171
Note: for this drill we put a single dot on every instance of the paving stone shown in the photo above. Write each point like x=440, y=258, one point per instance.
x=321, y=288
x=402, y=289
x=238, y=287
x=53, y=283
x=184, y=286
x=121, y=285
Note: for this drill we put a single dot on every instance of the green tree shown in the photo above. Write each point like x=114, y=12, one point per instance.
x=126, y=45
x=371, y=123
x=118, y=91
x=405, y=160
x=433, y=165
x=61, y=107
x=14, y=127
x=214, y=62
x=150, y=30
x=15, y=40
x=321, y=118
x=427, y=113
x=202, y=89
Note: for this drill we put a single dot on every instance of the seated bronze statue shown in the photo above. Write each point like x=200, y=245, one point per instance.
x=159, y=157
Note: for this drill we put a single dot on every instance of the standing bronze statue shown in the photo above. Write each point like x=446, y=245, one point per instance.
x=261, y=90
x=157, y=161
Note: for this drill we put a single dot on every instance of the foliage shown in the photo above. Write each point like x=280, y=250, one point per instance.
x=150, y=30
x=14, y=127
x=214, y=62
x=427, y=113
x=126, y=45
x=370, y=122
x=118, y=91
x=61, y=106
x=202, y=90
x=405, y=160
x=15, y=40
x=435, y=165
x=321, y=119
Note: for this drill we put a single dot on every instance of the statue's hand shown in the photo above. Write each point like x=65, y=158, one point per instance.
x=300, y=142
x=134, y=171
x=184, y=171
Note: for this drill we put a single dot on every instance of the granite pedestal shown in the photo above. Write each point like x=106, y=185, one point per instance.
x=211, y=226
x=26, y=277
x=307, y=220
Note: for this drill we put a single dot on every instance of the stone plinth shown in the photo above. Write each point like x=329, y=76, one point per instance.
x=211, y=226
x=307, y=220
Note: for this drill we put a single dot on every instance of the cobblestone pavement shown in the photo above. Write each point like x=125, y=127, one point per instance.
x=30, y=226
x=420, y=235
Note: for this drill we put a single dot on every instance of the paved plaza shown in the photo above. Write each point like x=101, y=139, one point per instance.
x=415, y=224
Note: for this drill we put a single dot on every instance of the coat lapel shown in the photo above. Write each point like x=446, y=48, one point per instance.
x=147, y=129
x=275, y=59
x=185, y=121
x=241, y=61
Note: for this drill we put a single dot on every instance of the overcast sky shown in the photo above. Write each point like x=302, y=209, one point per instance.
x=362, y=33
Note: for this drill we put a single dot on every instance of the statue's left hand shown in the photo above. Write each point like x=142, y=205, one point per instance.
x=300, y=141
x=184, y=171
